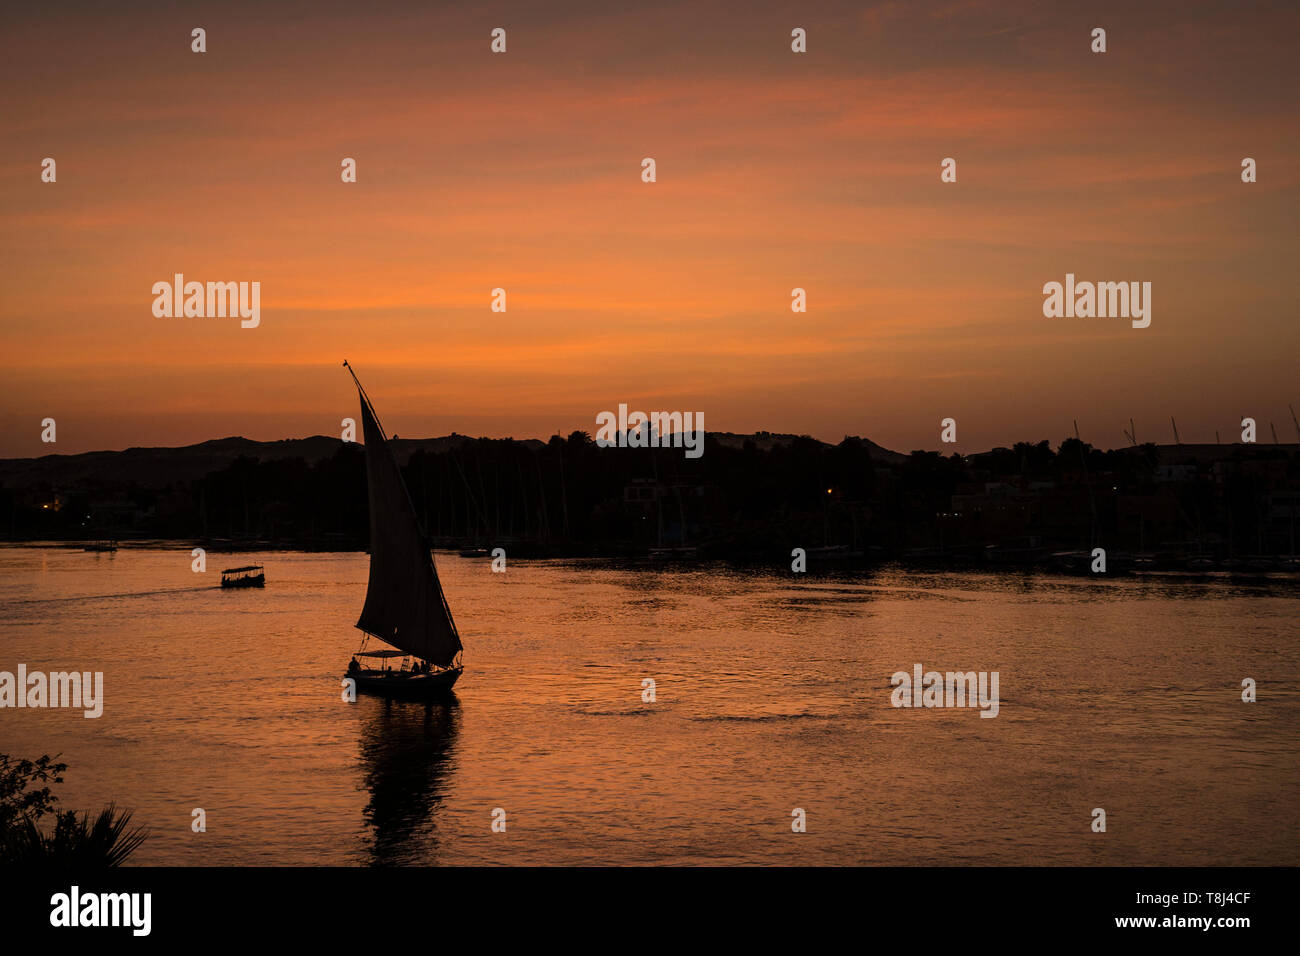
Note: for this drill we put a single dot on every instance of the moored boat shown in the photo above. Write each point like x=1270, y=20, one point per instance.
x=687, y=553
x=833, y=552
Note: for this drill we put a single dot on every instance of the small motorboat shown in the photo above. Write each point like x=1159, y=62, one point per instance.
x=251, y=576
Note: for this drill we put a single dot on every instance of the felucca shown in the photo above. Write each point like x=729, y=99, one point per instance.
x=405, y=607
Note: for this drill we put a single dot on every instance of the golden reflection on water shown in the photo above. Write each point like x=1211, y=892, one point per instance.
x=772, y=692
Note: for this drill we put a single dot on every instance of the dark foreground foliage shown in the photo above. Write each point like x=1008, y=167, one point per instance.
x=106, y=839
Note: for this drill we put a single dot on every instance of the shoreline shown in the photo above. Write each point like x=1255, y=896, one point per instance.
x=1060, y=563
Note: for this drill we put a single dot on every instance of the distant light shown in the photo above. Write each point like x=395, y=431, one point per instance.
x=828, y=491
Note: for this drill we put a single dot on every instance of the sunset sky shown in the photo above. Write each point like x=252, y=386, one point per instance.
x=522, y=171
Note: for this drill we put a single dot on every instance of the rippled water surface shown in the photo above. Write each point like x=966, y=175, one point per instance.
x=772, y=693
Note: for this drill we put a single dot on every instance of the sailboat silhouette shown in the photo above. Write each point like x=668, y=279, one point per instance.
x=405, y=607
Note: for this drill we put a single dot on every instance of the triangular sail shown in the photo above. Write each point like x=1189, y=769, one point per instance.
x=404, y=602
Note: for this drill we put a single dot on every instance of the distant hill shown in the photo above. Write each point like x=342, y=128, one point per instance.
x=159, y=467
x=748, y=498
x=766, y=441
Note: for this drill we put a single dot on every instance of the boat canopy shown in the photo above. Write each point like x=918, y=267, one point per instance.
x=251, y=567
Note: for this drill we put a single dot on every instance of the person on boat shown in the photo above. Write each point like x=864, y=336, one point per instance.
x=353, y=667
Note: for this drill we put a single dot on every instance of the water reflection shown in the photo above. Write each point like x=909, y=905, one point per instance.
x=407, y=752
x=1124, y=693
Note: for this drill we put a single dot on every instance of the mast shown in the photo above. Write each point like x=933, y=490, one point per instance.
x=1094, y=532
x=564, y=490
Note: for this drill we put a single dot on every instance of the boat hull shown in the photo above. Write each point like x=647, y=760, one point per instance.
x=406, y=684
x=257, y=582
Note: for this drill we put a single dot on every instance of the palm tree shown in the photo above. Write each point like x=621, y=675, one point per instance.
x=107, y=840
x=75, y=841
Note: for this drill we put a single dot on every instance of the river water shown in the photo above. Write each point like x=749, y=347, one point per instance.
x=772, y=693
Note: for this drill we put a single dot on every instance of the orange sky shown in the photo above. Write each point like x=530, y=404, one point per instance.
x=775, y=170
